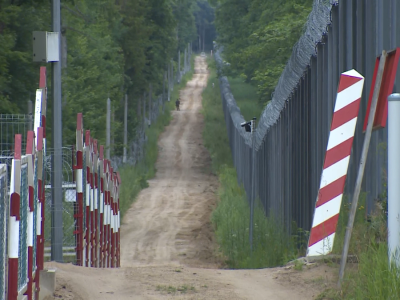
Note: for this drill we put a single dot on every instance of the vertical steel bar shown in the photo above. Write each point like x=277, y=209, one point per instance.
x=125, y=128
x=56, y=167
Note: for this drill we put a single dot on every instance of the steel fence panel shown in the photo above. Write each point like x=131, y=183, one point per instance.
x=3, y=228
x=293, y=129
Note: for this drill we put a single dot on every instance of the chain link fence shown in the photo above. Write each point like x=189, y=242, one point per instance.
x=69, y=199
x=292, y=133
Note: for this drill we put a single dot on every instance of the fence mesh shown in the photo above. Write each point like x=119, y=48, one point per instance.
x=3, y=229
x=23, y=228
x=69, y=198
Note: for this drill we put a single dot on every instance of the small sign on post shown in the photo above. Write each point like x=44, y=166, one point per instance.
x=388, y=77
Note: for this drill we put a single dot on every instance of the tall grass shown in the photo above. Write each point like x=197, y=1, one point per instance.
x=371, y=277
x=134, y=178
x=272, y=246
x=246, y=98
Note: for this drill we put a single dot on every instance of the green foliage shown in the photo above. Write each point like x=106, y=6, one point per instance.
x=272, y=246
x=258, y=36
x=373, y=279
x=109, y=49
x=246, y=98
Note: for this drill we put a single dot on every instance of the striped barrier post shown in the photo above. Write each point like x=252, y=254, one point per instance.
x=336, y=163
x=40, y=135
x=95, y=200
x=87, y=229
x=79, y=191
x=118, y=224
x=39, y=216
x=112, y=217
x=101, y=225
x=105, y=227
x=14, y=220
x=92, y=224
x=108, y=187
x=30, y=153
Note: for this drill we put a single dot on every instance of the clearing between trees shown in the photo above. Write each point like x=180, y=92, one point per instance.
x=167, y=241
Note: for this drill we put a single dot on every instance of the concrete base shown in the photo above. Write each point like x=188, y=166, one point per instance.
x=47, y=282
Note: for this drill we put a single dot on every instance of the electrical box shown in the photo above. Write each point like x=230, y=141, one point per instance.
x=46, y=46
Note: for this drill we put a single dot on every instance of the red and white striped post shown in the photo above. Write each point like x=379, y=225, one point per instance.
x=87, y=229
x=40, y=130
x=13, y=225
x=112, y=220
x=108, y=216
x=337, y=158
x=30, y=152
x=95, y=200
x=92, y=224
x=39, y=218
x=79, y=190
x=118, y=223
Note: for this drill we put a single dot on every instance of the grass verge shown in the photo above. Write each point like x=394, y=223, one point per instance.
x=246, y=98
x=134, y=178
x=371, y=277
x=272, y=246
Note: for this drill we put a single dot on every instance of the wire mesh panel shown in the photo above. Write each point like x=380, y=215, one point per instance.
x=3, y=229
x=10, y=125
x=23, y=227
x=69, y=198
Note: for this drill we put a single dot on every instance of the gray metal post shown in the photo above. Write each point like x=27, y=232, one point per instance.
x=185, y=69
x=253, y=181
x=30, y=115
x=163, y=91
x=144, y=111
x=172, y=76
x=108, y=128
x=179, y=66
x=56, y=162
x=361, y=168
x=125, y=128
x=150, y=109
x=394, y=179
x=169, y=83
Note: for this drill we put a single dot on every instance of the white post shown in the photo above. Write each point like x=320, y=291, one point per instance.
x=394, y=178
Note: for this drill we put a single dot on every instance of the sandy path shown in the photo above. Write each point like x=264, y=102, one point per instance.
x=167, y=243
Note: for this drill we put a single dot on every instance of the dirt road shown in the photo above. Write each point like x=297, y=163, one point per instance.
x=167, y=243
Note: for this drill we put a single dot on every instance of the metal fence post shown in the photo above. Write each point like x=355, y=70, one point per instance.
x=30, y=115
x=253, y=180
x=394, y=179
x=125, y=127
x=108, y=128
x=56, y=168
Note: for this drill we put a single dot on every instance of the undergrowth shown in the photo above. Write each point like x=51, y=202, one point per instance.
x=231, y=219
x=134, y=178
x=371, y=277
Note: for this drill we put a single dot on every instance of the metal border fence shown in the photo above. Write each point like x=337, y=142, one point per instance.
x=293, y=130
